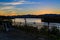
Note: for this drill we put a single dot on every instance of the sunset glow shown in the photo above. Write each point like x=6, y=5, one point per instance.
x=24, y=7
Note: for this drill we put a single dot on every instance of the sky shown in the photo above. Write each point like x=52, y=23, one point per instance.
x=33, y=7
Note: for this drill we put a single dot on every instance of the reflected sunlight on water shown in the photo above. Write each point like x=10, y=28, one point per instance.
x=28, y=20
x=34, y=22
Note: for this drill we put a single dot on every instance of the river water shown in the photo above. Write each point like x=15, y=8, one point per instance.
x=36, y=22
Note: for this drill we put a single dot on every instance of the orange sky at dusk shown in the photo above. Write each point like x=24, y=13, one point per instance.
x=3, y=13
x=46, y=12
x=36, y=12
x=25, y=7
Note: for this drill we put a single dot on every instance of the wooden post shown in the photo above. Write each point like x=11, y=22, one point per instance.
x=25, y=22
x=48, y=25
x=48, y=29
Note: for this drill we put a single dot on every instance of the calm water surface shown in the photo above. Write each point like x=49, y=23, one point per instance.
x=35, y=20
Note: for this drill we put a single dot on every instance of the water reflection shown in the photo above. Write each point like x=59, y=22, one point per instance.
x=36, y=22
x=27, y=19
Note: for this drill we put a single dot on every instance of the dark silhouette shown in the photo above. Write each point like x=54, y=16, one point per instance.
x=44, y=32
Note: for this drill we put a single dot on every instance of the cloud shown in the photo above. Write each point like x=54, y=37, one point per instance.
x=11, y=3
x=18, y=2
x=7, y=7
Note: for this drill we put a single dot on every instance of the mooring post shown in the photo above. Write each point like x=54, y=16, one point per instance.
x=25, y=22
